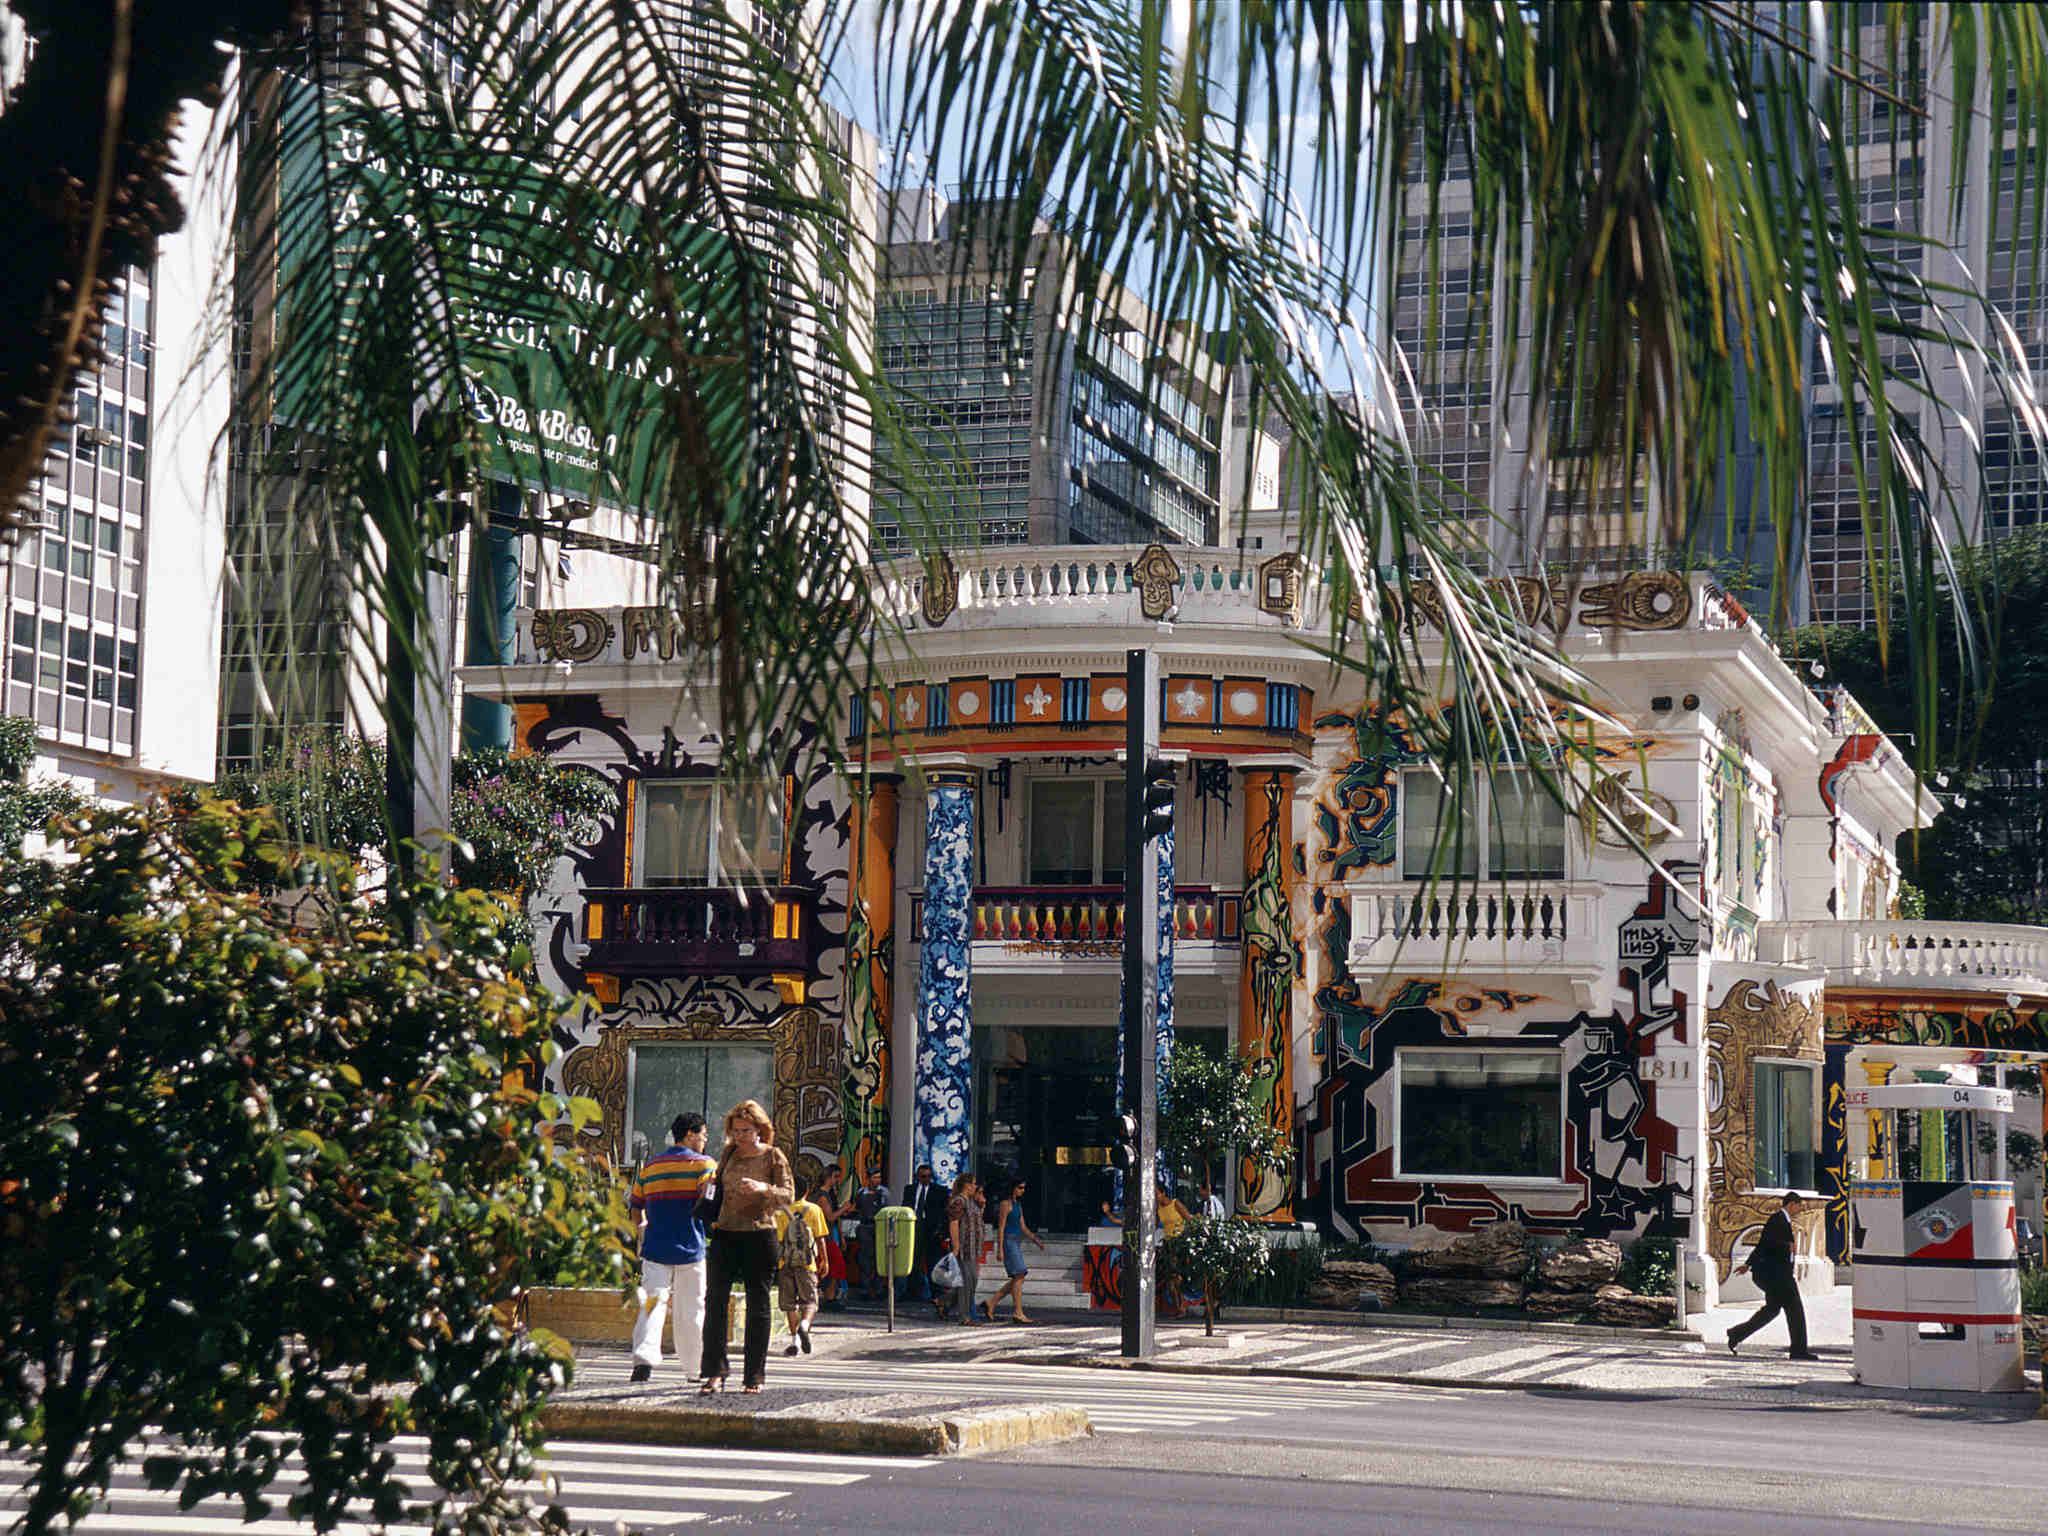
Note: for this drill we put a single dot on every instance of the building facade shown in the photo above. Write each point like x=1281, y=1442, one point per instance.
x=917, y=958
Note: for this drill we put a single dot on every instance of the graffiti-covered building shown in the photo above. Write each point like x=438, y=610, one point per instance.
x=915, y=956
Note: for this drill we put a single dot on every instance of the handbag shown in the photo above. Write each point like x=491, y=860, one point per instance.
x=709, y=1207
x=946, y=1273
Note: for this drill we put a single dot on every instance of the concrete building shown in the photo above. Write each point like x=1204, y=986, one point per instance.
x=917, y=959
x=1038, y=420
x=112, y=600
x=1470, y=417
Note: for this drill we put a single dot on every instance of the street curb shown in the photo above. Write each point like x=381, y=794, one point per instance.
x=953, y=1434
x=1422, y=1321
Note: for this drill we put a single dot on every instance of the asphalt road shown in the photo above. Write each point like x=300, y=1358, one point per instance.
x=1347, y=1460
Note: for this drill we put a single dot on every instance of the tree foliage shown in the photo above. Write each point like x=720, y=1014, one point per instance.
x=1212, y=1251
x=1985, y=859
x=28, y=804
x=1209, y=1113
x=268, y=1188
x=512, y=816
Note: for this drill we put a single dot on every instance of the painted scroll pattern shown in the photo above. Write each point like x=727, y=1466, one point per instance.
x=1267, y=972
x=944, y=1071
x=870, y=990
x=1754, y=1018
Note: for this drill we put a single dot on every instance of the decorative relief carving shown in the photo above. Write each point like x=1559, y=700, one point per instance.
x=1280, y=584
x=1647, y=600
x=941, y=589
x=571, y=634
x=1157, y=573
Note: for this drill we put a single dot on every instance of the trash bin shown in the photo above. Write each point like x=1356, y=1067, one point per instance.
x=895, y=1240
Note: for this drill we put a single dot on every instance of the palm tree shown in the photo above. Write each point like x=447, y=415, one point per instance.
x=460, y=215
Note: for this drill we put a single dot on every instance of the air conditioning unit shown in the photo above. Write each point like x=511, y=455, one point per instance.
x=97, y=437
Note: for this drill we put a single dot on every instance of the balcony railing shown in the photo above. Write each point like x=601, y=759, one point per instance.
x=1484, y=927
x=1012, y=585
x=745, y=930
x=1915, y=955
x=1074, y=916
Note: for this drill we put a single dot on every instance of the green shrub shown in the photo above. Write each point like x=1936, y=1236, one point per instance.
x=1649, y=1266
x=2034, y=1291
x=1217, y=1256
x=1285, y=1282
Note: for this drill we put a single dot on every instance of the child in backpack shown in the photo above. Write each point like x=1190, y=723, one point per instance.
x=799, y=1245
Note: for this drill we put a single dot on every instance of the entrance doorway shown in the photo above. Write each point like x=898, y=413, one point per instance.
x=1045, y=1100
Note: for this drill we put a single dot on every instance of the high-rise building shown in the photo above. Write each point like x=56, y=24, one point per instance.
x=1037, y=423
x=1470, y=418
x=112, y=594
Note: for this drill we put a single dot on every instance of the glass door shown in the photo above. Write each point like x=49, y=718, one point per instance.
x=1046, y=1103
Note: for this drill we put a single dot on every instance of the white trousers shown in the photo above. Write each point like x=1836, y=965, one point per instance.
x=656, y=1280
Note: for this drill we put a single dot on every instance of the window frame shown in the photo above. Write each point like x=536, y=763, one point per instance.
x=1480, y=819
x=1812, y=1069
x=1554, y=1053
x=716, y=875
x=1102, y=833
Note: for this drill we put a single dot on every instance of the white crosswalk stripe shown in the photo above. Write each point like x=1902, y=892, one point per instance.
x=1116, y=1402
x=645, y=1488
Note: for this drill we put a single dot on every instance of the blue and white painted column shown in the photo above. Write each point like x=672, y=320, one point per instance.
x=944, y=1087
x=1163, y=1035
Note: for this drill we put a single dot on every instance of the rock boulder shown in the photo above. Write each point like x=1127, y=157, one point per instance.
x=1620, y=1308
x=1346, y=1283
x=1458, y=1292
x=1558, y=1303
x=1584, y=1265
x=1498, y=1252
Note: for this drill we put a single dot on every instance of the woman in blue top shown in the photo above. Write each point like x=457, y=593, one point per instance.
x=1010, y=1224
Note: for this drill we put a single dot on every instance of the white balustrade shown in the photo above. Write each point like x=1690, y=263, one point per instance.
x=1487, y=926
x=1913, y=953
x=1007, y=584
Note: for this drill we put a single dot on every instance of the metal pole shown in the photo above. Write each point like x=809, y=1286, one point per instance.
x=1141, y=1002
x=889, y=1276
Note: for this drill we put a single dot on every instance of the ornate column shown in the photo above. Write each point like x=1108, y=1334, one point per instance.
x=942, y=1097
x=1879, y=1162
x=870, y=983
x=1164, y=1033
x=1266, y=972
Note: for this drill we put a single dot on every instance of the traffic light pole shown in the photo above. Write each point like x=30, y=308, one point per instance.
x=1141, y=1001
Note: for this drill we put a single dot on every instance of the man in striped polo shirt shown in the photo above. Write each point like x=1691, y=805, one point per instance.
x=666, y=1194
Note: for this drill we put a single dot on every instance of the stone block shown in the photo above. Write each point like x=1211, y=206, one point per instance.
x=1497, y=1252
x=1584, y=1265
x=1460, y=1291
x=1621, y=1308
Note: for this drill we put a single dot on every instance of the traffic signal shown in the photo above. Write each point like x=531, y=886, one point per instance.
x=1158, y=798
x=1123, y=1155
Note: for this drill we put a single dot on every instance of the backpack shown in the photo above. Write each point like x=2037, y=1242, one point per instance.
x=797, y=1248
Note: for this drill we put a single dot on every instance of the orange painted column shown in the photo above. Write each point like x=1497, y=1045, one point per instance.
x=1265, y=1009
x=870, y=985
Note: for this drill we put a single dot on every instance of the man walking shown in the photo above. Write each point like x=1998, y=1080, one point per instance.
x=927, y=1201
x=666, y=1192
x=1771, y=1262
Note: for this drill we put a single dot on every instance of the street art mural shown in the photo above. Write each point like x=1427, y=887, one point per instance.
x=1619, y=1163
x=944, y=1078
x=1865, y=749
x=597, y=1042
x=1864, y=1018
x=1666, y=926
x=1354, y=818
x=1834, y=1149
x=1754, y=1017
x=1266, y=974
x=870, y=986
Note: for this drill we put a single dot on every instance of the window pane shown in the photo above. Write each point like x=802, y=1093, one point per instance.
x=750, y=832
x=1112, y=832
x=1528, y=827
x=675, y=837
x=710, y=1079
x=1481, y=1112
x=1421, y=816
x=1784, y=1126
x=1063, y=832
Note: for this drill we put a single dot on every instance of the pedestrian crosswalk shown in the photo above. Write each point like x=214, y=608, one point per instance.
x=644, y=1489
x=1117, y=1402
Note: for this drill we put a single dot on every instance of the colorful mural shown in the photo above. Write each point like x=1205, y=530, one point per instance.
x=1355, y=821
x=944, y=1082
x=1665, y=927
x=870, y=987
x=1267, y=971
x=1162, y=1033
x=597, y=1043
x=1867, y=1018
x=1755, y=1017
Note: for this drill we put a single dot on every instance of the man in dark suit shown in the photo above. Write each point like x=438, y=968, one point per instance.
x=926, y=1198
x=1771, y=1262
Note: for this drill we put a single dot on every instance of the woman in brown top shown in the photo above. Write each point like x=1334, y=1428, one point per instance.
x=963, y=1214
x=754, y=1183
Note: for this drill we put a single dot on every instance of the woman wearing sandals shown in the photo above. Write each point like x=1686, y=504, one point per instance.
x=1010, y=1226
x=754, y=1183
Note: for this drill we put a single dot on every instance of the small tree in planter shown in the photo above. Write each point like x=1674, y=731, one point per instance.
x=1210, y=1250
x=1209, y=1114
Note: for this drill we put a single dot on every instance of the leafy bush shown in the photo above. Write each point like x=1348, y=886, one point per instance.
x=260, y=1177
x=2034, y=1291
x=1216, y=1254
x=1649, y=1266
x=1288, y=1277
x=1210, y=1117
